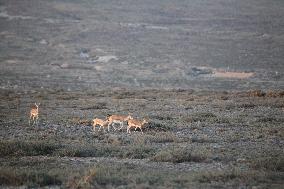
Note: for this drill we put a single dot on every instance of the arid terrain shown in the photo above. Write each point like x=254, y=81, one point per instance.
x=196, y=139
x=88, y=44
x=207, y=75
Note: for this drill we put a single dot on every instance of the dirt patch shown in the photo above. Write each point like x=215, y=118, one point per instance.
x=230, y=74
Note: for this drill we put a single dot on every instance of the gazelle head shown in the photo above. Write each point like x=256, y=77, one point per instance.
x=129, y=117
x=94, y=120
x=37, y=105
x=145, y=121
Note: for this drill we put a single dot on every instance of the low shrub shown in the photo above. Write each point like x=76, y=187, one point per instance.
x=10, y=177
x=179, y=155
x=32, y=148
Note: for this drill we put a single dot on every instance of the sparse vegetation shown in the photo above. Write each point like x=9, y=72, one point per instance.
x=207, y=76
x=29, y=148
x=137, y=152
x=99, y=105
x=271, y=163
x=179, y=155
x=36, y=148
x=127, y=175
x=162, y=137
x=9, y=177
x=209, y=148
x=206, y=117
x=231, y=175
x=158, y=126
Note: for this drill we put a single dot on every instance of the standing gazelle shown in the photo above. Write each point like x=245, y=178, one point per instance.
x=34, y=114
x=117, y=119
x=136, y=123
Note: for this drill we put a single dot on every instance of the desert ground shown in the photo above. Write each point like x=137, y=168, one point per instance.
x=207, y=75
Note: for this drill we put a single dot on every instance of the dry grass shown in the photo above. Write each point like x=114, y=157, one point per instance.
x=179, y=155
x=97, y=106
x=236, y=176
x=80, y=121
x=16, y=177
x=36, y=148
x=162, y=137
x=259, y=93
x=271, y=163
x=31, y=148
x=127, y=176
x=207, y=117
x=204, y=135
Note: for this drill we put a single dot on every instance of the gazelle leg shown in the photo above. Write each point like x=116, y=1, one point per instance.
x=36, y=120
x=114, y=126
x=128, y=130
x=33, y=120
x=121, y=126
x=30, y=120
x=109, y=126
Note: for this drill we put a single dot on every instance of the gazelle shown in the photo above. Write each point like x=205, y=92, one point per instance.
x=117, y=119
x=99, y=122
x=34, y=114
x=136, y=123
